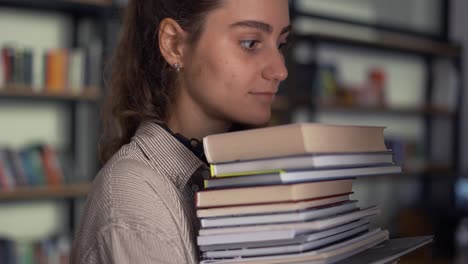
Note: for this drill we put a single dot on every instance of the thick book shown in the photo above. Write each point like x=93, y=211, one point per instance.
x=274, y=218
x=299, y=176
x=328, y=254
x=316, y=161
x=285, y=249
x=293, y=139
x=272, y=238
x=272, y=207
x=272, y=193
x=310, y=226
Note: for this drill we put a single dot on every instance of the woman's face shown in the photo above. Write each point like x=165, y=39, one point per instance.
x=234, y=71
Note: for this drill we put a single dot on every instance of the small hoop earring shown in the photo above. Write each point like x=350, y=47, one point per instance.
x=177, y=66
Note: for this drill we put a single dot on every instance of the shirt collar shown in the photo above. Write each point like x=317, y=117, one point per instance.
x=168, y=155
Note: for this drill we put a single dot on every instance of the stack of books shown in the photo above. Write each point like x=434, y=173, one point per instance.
x=282, y=194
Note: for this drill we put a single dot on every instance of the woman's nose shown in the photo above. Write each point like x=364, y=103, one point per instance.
x=276, y=68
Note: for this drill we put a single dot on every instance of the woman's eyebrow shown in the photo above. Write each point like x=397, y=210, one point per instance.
x=265, y=27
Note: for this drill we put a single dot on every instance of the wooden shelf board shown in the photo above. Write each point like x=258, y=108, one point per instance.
x=389, y=41
x=90, y=94
x=45, y=192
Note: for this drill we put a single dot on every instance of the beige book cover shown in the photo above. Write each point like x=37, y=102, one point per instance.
x=293, y=139
x=271, y=208
x=271, y=193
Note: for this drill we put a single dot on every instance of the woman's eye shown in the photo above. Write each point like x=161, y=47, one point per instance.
x=249, y=44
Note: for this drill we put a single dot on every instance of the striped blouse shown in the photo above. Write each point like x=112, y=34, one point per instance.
x=141, y=208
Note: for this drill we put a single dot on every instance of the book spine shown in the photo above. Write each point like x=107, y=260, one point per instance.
x=57, y=68
x=52, y=170
x=28, y=68
x=8, y=181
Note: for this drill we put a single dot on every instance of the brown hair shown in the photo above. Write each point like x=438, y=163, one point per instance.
x=141, y=82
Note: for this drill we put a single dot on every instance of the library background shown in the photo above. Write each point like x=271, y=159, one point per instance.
x=398, y=64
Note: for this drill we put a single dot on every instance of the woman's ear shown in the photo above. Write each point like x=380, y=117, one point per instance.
x=172, y=41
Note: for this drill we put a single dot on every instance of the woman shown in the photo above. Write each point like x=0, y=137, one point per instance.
x=183, y=70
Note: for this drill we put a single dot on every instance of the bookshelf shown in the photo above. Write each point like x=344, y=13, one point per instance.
x=300, y=95
x=72, y=115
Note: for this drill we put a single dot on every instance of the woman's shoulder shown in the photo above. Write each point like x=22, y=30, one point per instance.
x=127, y=190
x=124, y=201
x=128, y=173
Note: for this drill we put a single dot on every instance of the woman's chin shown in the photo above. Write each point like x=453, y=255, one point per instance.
x=257, y=119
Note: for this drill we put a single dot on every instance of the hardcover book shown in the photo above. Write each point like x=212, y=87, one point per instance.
x=272, y=193
x=294, y=139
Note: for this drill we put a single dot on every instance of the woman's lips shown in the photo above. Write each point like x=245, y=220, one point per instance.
x=264, y=96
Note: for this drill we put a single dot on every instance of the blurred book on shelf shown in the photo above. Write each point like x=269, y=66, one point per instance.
x=408, y=153
x=60, y=70
x=329, y=90
x=31, y=166
x=323, y=80
x=50, y=250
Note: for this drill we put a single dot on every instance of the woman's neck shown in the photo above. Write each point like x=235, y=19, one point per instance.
x=188, y=119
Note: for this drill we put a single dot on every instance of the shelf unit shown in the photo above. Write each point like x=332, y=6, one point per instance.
x=27, y=93
x=428, y=112
x=45, y=192
x=99, y=11
x=386, y=41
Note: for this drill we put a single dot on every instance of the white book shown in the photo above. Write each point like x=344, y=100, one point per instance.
x=76, y=72
x=269, y=208
x=39, y=69
x=283, y=177
x=316, y=225
x=273, y=238
x=301, y=162
x=284, y=249
x=328, y=254
x=305, y=215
